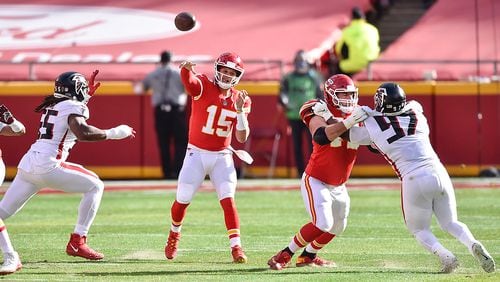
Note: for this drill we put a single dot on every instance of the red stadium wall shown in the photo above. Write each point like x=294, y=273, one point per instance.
x=465, y=141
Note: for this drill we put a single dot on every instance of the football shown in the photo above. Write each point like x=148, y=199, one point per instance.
x=184, y=21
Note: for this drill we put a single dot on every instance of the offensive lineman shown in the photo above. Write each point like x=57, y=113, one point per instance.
x=399, y=130
x=217, y=109
x=323, y=182
x=62, y=123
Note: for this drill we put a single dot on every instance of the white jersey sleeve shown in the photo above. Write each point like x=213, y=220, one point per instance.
x=55, y=138
x=403, y=139
x=359, y=135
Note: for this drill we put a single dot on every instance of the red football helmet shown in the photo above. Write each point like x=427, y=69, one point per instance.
x=341, y=83
x=232, y=61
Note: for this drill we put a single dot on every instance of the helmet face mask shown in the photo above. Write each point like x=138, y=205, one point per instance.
x=223, y=76
x=389, y=98
x=341, y=93
x=72, y=85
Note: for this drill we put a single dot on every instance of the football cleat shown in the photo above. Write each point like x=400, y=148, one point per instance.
x=316, y=262
x=280, y=260
x=449, y=263
x=238, y=255
x=11, y=263
x=172, y=243
x=77, y=247
x=484, y=258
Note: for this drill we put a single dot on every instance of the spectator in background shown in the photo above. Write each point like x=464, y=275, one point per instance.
x=169, y=103
x=358, y=45
x=297, y=87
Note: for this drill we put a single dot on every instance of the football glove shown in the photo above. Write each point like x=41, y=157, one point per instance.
x=321, y=109
x=92, y=85
x=5, y=115
x=358, y=115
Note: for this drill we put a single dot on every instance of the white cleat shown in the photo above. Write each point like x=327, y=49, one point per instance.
x=484, y=258
x=11, y=263
x=449, y=263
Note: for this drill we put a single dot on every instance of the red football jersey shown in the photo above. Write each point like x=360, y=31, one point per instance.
x=332, y=163
x=213, y=116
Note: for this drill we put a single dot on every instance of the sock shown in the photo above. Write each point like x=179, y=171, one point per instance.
x=232, y=221
x=306, y=234
x=88, y=209
x=5, y=243
x=177, y=212
x=319, y=243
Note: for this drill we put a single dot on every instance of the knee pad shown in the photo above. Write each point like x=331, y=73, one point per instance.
x=324, y=225
x=339, y=227
x=4, y=214
x=185, y=193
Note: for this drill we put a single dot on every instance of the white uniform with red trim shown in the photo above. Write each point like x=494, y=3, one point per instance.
x=44, y=165
x=426, y=185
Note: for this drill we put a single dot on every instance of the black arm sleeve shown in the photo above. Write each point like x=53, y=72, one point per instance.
x=320, y=136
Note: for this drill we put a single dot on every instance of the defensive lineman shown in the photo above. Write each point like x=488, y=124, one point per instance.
x=62, y=123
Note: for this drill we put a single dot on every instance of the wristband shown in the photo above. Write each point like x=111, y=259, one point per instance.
x=241, y=121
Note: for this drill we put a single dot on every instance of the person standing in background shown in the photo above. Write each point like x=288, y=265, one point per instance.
x=358, y=45
x=169, y=104
x=297, y=87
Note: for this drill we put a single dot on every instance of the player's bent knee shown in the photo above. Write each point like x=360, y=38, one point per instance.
x=185, y=193
x=325, y=225
x=4, y=214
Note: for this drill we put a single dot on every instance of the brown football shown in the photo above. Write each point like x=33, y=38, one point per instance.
x=184, y=21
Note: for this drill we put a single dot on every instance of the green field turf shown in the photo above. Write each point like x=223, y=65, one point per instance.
x=131, y=228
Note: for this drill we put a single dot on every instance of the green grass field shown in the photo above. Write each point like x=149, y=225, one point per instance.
x=131, y=228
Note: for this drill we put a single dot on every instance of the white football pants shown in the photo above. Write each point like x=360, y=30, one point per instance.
x=68, y=177
x=430, y=191
x=219, y=166
x=327, y=205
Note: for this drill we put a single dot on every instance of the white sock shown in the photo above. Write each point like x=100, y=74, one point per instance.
x=235, y=241
x=5, y=243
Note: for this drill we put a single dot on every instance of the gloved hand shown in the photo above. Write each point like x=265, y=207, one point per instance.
x=5, y=115
x=7, y=118
x=321, y=109
x=358, y=115
x=120, y=132
x=92, y=85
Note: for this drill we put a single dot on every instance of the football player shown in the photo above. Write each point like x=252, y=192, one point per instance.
x=62, y=123
x=399, y=130
x=9, y=126
x=323, y=182
x=217, y=110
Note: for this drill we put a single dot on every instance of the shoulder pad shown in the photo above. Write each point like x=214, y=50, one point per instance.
x=306, y=111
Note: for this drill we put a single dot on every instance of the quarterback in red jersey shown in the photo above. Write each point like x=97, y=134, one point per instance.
x=216, y=110
x=323, y=182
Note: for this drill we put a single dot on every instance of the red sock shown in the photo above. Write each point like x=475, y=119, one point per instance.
x=231, y=217
x=322, y=240
x=178, y=211
x=307, y=234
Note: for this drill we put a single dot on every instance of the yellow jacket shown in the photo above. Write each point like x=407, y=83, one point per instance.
x=362, y=40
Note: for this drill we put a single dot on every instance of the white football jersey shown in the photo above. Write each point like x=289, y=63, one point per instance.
x=55, y=138
x=402, y=139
